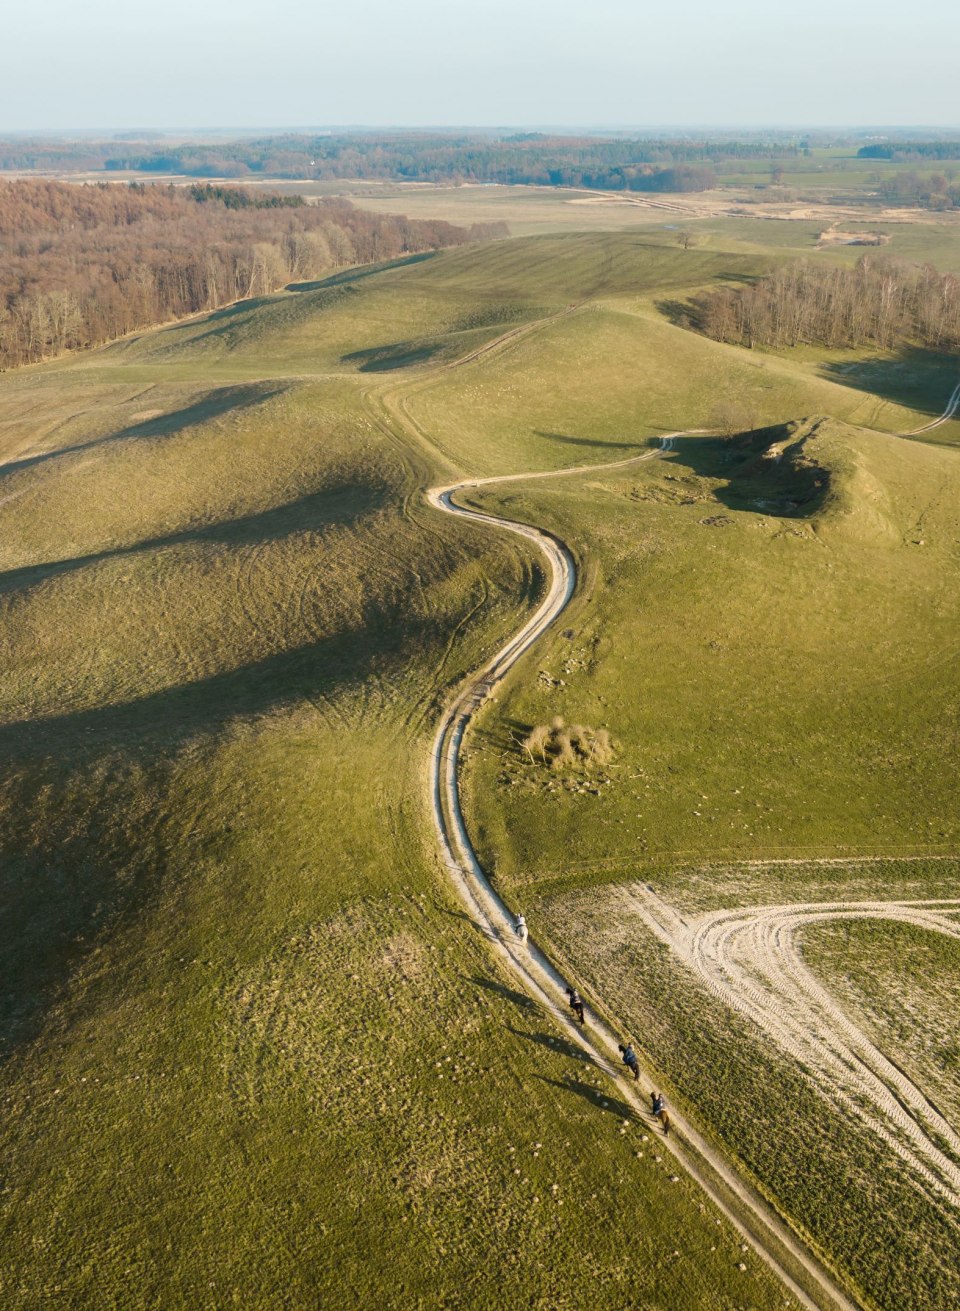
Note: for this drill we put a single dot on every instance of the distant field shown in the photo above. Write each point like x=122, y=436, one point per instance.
x=240, y=996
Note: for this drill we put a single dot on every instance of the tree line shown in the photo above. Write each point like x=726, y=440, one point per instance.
x=877, y=303
x=911, y=150
x=934, y=191
x=518, y=158
x=523, y=161
x=82, y=265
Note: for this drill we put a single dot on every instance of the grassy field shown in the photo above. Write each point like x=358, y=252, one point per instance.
x=917, y=236
x=253, y=1053
x=721, y=636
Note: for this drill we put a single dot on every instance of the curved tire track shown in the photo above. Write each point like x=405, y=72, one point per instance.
x=750, y=959
x=948, y=413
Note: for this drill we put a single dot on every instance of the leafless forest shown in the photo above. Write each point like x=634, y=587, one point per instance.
x=876, y=303
x=80, y=266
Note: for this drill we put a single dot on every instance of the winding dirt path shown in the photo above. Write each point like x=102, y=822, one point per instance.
x=751, y=960
x=772, y=984
x=801, y=1272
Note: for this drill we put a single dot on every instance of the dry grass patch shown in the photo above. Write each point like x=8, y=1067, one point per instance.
x=560, y=746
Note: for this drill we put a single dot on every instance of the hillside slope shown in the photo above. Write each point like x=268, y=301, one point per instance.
x=252, y=1053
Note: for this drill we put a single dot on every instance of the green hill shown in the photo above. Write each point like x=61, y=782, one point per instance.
x=254, y=1052
x=767, y=628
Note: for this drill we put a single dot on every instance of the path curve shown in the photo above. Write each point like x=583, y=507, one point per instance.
x=798, y=1268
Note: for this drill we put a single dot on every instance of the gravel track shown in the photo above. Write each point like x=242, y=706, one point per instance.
x=750, y=958
x=801, y=1272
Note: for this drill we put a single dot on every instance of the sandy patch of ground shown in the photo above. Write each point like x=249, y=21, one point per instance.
x=750, y=958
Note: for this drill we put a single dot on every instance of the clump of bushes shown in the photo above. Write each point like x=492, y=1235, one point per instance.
x=561, y=746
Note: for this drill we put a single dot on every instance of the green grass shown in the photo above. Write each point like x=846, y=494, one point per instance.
x=233, y=971
x=776, y=680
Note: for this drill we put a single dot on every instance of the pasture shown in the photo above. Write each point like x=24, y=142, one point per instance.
x=240, y=997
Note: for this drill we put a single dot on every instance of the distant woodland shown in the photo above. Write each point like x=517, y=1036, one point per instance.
x=81, y=265
x=911, y=150
x=525, y=158
x=876, y=303
x=595, y=162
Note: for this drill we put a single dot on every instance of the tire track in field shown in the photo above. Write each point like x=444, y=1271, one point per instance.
x=948, y=413
x=751, y=960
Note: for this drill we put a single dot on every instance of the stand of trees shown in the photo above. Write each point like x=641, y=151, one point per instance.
x=936, y=191
x=877, y=303
x=80, y=266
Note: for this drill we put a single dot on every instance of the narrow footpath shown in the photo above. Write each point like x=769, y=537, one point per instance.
x=806, y=1277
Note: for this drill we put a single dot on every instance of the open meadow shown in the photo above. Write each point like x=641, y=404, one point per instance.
x=255, y=1052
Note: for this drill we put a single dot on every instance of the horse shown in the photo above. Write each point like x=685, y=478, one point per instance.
x=660, y=1110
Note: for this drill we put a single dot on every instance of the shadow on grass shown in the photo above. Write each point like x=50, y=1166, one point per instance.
x=339, y=505
x=915, y=377
x=596, y=1097
x=96, y=816
x=350, y=276
x=518, y=999
x=788, y=485
x=454, y=914
x=681, y=313
x=560, y=1046
x=620, y=446
x=396, y=355
x=210, y=406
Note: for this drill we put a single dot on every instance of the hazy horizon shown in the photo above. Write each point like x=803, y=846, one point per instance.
x=519, y=62
x=598, y=129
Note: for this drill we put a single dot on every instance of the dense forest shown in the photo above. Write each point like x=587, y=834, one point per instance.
x=81, y=265
x=876, y=303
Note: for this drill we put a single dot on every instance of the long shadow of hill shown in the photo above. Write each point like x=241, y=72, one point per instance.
x=395, y=355
x=85, y=873
x=341, y=504
x=210, y=406
x=918, y=378
x=587, y=441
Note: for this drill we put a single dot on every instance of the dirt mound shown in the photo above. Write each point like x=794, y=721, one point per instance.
x=816, y=468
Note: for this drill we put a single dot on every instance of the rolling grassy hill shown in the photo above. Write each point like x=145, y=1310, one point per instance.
x=768, y=629
x=253, y=1052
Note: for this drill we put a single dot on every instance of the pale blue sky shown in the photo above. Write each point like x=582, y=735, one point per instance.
x=194, y=63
